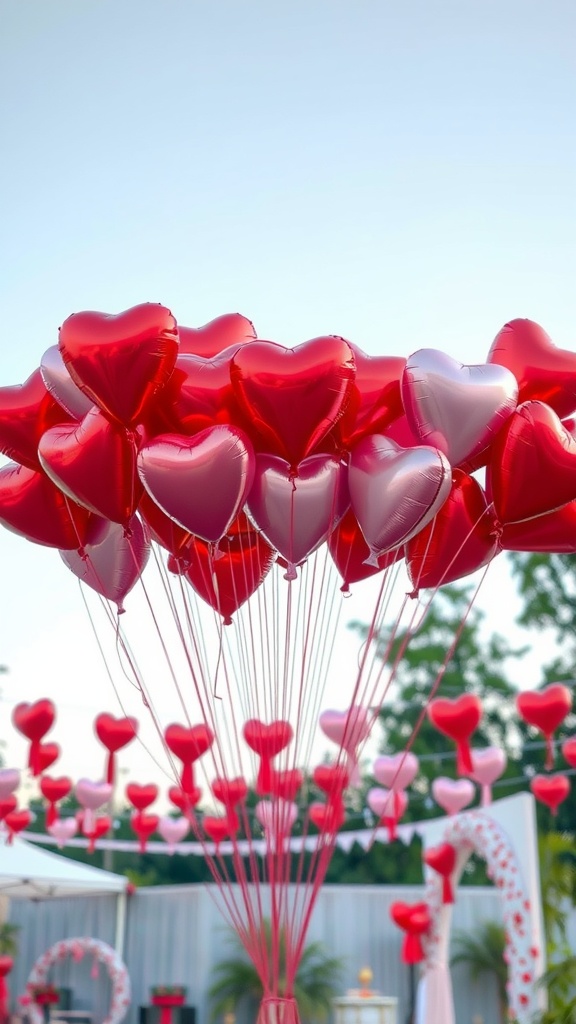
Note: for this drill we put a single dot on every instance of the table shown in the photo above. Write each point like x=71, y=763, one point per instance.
x=365, y=1010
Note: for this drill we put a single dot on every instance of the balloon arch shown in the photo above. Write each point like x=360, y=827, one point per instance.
x=77, y=948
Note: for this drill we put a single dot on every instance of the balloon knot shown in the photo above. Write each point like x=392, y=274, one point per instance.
x=372, y=560
x=414, y=594
x=228, y=621
x=128, y=533
x=121, y=610
x=345, y=589
x=291, y=573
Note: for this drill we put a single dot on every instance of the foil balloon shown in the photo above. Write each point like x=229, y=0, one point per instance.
x=395, y=491
x=198, y=395
x=34, y=721
x=544, y=373
x=17, y=821
x=488, y=764
x=91, y=796
x=62, y=830
x=270, y=382
x=33, y=507
x=453, y=795
x=26, y=411
x=162, y=529
x=267, y=741
x=348, y=729
x=457, y=409
x=201, y=482
x=173, y=831
x=442, y=859
x=458, y=719
x=351, y=554
x=545, y=710
x=396, y=771
x=231, y=329
x=141, y=796
x=53, y=790
x=59, y=383
x=375, y=399
x=551, y=790
x=554, y=533
x=114, y=734
x=120, y=362
x=144, y=825
x=389, y=806
x=188, y=744
x=113, y=562
x=414, y=919
x=48, y=753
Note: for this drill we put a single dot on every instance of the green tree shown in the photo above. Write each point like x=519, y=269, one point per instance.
x=9, y=938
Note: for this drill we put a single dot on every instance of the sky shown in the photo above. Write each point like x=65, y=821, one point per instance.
x=399, y=174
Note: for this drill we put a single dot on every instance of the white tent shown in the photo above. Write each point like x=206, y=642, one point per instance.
x=26, y=871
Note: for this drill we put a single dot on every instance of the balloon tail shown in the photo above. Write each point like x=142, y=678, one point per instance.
x=486, y=796
x=464, y=764
x=447, y=892
x=372, y=560
x=110, y=769
x=290, y=573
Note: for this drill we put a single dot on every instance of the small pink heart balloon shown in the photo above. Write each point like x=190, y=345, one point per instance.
x=277, y=817
x=91, y=796
x=452, y=795
x=9, y=781
x=348, y=729
x=386, y=803
x=396, y=771
x=62, y=830
x=488, y=764
x=173, y=831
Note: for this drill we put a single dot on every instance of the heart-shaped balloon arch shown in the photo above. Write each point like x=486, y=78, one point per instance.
x=263, y=472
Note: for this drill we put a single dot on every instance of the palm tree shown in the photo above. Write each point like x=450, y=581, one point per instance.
x=8, y=938
x=316, y=979
x=483, y=952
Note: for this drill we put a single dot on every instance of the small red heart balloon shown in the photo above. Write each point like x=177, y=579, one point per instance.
x=26, y=411
x=375, y=399
x=17, y=820
x=401, y=913
x=569, y=751
x=102, y=825
x=121, y=361
x=184, y=801
x=533, y=466
x=227, y=580
x=458, y=719
x=350, y=552
x=286, y=784
x=48, y=753
x=189, y=744
x=443, y=860
x=115, y=733
x=34, y=720
x=545, y=710
x=55, y=789
x=267, y=740
x=33, y=507
x=7, y=805
x=144, y=825
x=217, y=829
x=543, y=372
x=332, y=779
x=94, y=463
x=551, y=790
x=328, y=817
x=141, y=797
x=198, y=395
x=270, y=382
x=163, y=529
x=211, y=339
x=230, y=792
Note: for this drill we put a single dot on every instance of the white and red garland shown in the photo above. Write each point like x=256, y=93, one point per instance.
x=78, y=948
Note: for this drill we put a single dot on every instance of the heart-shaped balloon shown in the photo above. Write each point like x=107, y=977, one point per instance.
x=277, y=817
x=113, y=563
x=395, y=491
x=414, y=919
x=552, y=534
x=53, y=789
x=198, y=395
x=332, y=779
x=458, y=719
x=94, y=463
x=33, y=507
x=271, y=382
x=328, y=817
x=141, y=797
x=94, y=827
x=442, y=859
x=452, y=795
x=347, y=728
x=115, y=733
x=351, y=554
x=26, y=411
x=533, y=466
x=297, y=513
x=48, y=753
x=396, y=771
x=7, y=805
x=188, y=744
x=144, y=825
x=218, y=829
x=59, y=383
x=488, y=764
x=545, y=710
x=457, y=409
x=173, y=831
x=568, y=751
x=9, y=781
x=285, y=785
x=227, y=578
x=551, y=790
x=462, y=537
x=17, y=821
x=388, y=805
x=184, y=801
x=543, y=372
x=230, y=792
x=92, y=795
x=201, y=482
x=34, y=721
x=375, y=399
x=163, y=529
x=62, y=830
x=211, y=339
x=267, y=740
x=121, y=361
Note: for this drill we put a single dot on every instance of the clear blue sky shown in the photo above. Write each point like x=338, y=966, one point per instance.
x=400, y=173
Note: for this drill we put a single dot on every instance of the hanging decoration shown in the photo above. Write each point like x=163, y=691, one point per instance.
x=77, y=948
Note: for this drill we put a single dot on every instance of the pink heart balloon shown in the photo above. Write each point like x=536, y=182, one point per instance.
x=113, y=562
x=396, y=771
x=9, y=781
x=297, y=513
x=173, y=830
x=488, y=765
x=385, y=803
x=458, y=409
x=347, y=728
x=277, y=817
x=395, y=491
x=201, y=482
x=452, y=795
x=62, y=830
x=92, y=795
x=61, y=386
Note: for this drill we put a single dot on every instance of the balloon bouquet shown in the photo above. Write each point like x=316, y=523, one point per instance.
x=269, y=479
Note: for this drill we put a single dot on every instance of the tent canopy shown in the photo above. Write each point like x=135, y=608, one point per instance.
x=30, y=873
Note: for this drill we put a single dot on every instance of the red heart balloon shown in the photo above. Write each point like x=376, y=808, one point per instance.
x=267, y=740
x=375, y=399
x=55, y=789
x=198, y=395
x=48, y=753
x=458, y=719
x=31, y=506
x=328, y=817
x=219, y=334
x=226, y=580
x=17, y=821
x=331, y=778
x=551, y=790
x=286, y=784
x=144, y=825
x=26, y=411
x=402, y=913
x=34, y=720
x=443, y=860
x=115, y=733
x=230, y=792
x=102, y=825
x=121, y=361
x=569, y=751
x=217, y=829
x=141, y=797
x=184, y=801
x=545, y=710
x=7, y=805
x=271, y=382
x=350, y=552
x=461, y=538
x=533, y=466
x=163, y=529
x=543, y=372
x=188, y=744
x=94, y=463
x=551, y=534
